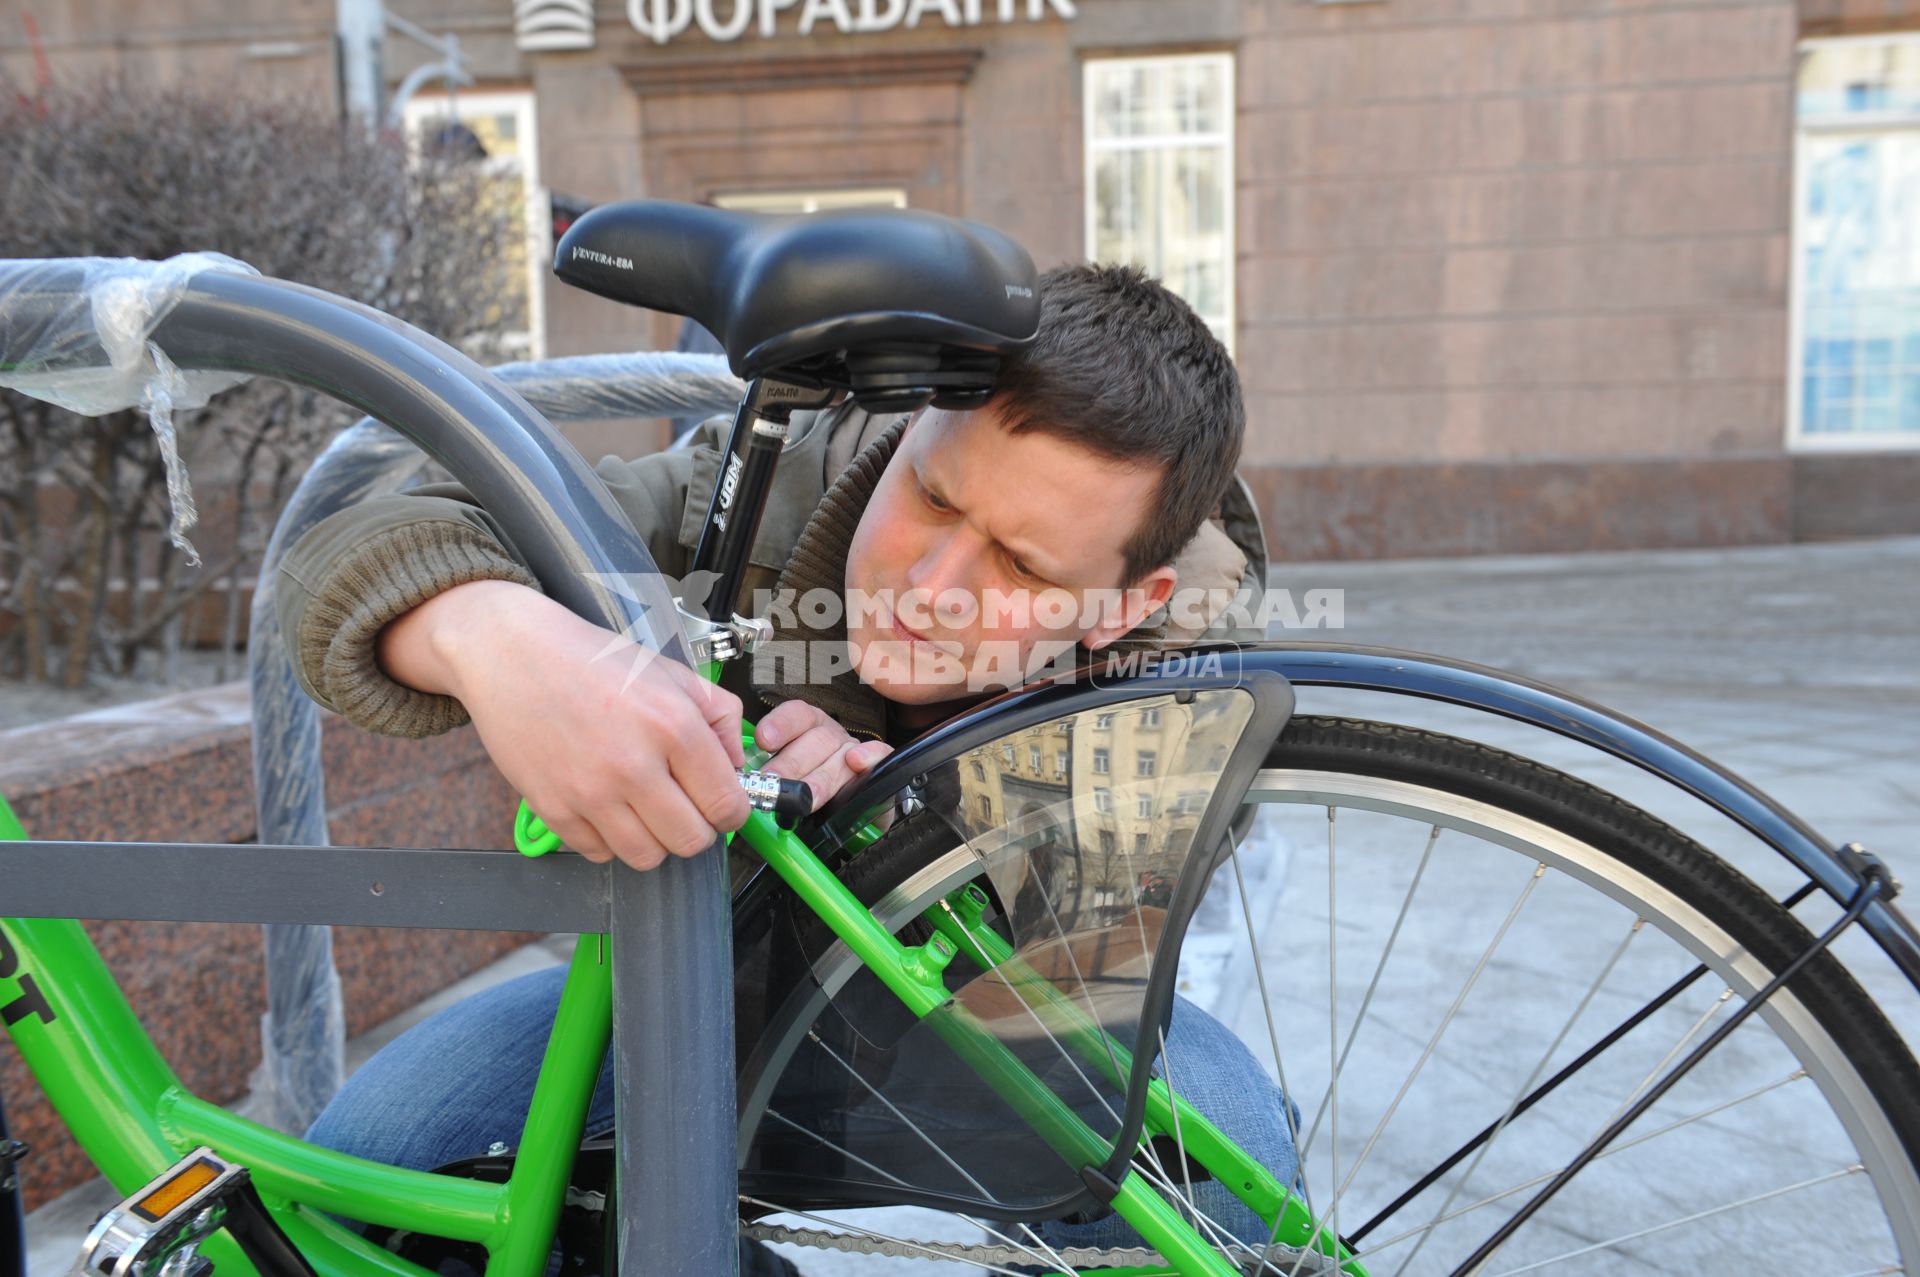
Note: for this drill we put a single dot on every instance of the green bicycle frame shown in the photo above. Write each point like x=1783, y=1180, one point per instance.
x=129, y=1111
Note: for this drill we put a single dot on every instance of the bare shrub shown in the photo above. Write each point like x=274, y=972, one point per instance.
x=88, y=580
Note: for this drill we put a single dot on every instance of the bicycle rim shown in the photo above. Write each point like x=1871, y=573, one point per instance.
x=1476, y=949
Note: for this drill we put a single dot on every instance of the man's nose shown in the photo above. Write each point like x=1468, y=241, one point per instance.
x=949, y=563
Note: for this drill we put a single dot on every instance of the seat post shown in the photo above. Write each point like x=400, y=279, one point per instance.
x=745, y=480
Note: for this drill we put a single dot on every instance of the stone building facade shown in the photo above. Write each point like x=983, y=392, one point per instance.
x=1501, y=275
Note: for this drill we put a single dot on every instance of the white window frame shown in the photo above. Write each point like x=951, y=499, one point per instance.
x=1863, y=124
x=812, y=201
x=520, y=104
x=1093, y=147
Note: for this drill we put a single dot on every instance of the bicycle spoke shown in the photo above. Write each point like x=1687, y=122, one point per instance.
x=1051, y=1255
x=1520, y=1096
x=828, y=1144
x=1612, y=1149
x=1393, y=935
x=1697, y=1216
x=1446, y=1021
x=1686, y=1040
x=911, y=1125
x=1333, y=1066
x=1279, y=1063
x=1179, y=1140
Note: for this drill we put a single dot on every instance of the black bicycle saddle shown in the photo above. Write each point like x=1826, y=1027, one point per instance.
x=895, y=305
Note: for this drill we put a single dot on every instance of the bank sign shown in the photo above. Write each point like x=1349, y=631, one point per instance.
x=662, y=20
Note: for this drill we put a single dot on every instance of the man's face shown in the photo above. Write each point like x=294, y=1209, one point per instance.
x=984, y=554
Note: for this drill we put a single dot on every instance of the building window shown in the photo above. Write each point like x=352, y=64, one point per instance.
x=1856, y=307
x=986, y=807
x=1149, y=718
x=1144, y=805
x=1102, y=722
x=503, y=123
x=1103, y=801
x=1033, y=759
x=979, y=772
x=1006, y=754
x=1145, y=762
x=1140, y=844
x=1159, y=174
x=812, y=201
x=1059, y=764
x=1101, y=761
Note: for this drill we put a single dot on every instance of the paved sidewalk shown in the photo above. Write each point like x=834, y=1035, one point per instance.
x=1797, y=666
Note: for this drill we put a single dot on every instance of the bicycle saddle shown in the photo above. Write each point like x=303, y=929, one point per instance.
x=894, y=305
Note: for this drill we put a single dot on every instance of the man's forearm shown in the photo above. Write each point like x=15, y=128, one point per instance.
x=432, y=646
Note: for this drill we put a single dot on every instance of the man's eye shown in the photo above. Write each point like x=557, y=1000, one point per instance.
x=935, y=500
x=1021, y=570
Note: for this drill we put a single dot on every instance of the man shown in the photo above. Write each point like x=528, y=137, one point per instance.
x=1090, y=473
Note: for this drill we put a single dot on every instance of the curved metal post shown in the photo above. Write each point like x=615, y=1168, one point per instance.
x=303, y=1032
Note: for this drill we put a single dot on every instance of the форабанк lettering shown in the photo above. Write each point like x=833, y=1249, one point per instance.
x=662, y=20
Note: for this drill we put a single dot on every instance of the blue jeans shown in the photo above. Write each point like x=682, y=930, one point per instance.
x=454, y=1084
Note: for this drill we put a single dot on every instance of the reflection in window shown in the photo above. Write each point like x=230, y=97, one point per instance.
x=1143, y=806
x=1144, y=761
x=1857, y=222
x=503, y=125
x=1150, y=718
x=1033, y=757
x=1102, y=722
x=1159, y=180
x=979, y=770
x=1103, y=801
x=1101, y=760
x=986, y=807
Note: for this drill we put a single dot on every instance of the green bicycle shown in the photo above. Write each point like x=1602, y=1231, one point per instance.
x=953, y=988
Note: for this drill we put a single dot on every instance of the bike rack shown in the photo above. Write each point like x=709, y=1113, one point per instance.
x=672, y=969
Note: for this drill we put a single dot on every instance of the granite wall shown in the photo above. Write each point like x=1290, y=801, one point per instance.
x=179, y=769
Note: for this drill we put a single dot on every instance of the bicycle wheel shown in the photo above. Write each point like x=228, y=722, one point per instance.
x=1416, y=933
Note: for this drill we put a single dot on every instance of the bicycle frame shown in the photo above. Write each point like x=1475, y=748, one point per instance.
x=128, y=1110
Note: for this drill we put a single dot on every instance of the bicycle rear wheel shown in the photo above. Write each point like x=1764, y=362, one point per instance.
x=1416, y=934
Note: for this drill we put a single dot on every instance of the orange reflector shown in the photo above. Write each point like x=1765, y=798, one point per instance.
x=160, y=1201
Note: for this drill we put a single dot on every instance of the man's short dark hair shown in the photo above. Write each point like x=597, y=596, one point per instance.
x=1127, y=370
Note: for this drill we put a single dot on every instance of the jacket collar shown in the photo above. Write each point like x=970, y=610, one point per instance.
x=819, y=561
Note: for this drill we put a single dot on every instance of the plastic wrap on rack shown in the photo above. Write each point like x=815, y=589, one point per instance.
x=92, y=354
x=607, y=387
x=302, y=1034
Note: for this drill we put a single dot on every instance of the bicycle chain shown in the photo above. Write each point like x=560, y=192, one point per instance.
x=984, y=1253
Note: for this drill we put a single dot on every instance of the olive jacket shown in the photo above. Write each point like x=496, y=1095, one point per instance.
x=371, y=563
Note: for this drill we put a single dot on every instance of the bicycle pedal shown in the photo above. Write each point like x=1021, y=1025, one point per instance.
x=157, y=1232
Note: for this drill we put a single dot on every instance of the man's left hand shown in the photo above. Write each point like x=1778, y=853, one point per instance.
x=808, y=745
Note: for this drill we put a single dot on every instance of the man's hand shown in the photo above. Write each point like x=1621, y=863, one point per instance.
x=808, y=745
x=634, y=760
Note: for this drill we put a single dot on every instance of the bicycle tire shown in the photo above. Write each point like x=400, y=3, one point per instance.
x=1824, y=1001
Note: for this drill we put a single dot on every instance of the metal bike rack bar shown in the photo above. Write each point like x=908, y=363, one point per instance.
x=303, y=1033
x=673, y=1008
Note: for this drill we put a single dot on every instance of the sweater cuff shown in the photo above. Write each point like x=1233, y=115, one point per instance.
x=387, y=576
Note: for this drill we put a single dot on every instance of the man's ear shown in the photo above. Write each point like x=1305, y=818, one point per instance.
x=1137, y=602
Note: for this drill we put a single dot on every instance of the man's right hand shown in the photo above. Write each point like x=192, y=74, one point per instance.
x=619, y=759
